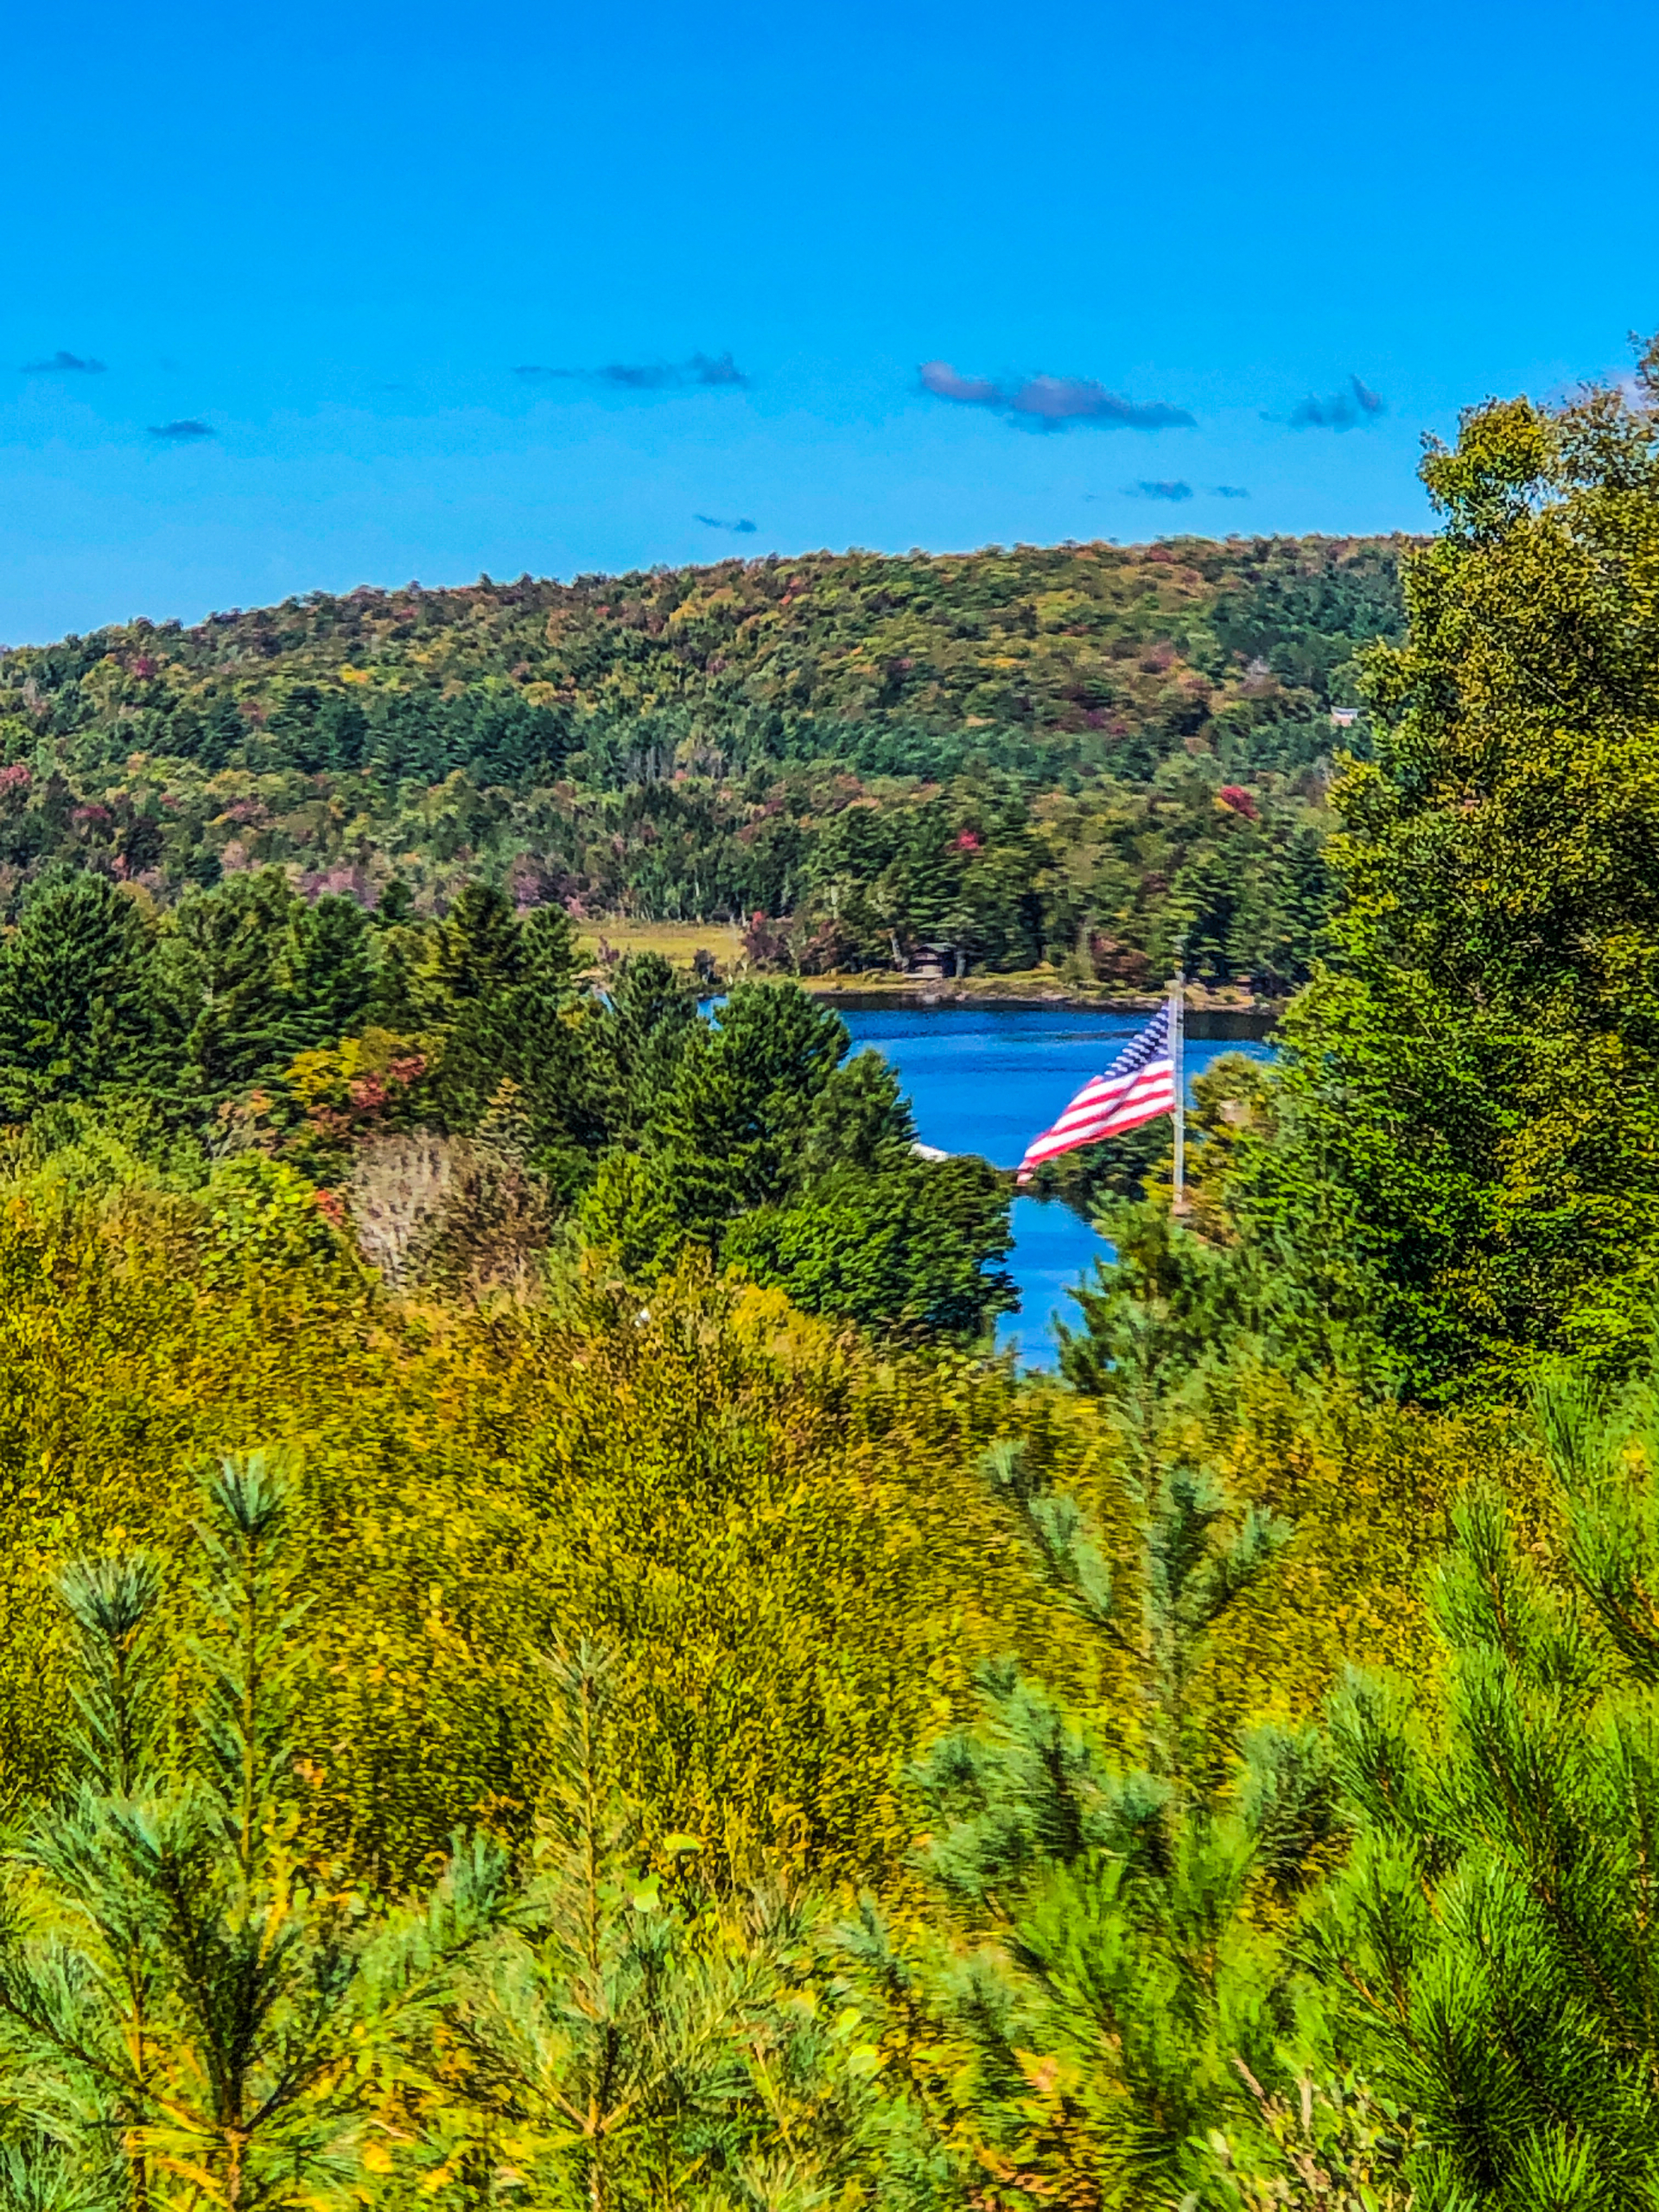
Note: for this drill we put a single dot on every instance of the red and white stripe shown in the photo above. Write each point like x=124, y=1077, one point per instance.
x=1105, y=1107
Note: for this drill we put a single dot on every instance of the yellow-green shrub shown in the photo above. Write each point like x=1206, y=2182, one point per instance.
x=781, y=1536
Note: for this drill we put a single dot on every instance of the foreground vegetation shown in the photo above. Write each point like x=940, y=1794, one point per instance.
x=544, y=1663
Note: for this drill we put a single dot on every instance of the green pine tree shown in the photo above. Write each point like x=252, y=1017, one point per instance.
x=636, y=1037
x=1496, y=1933
x=75, y=1010
x=400, y=954
x=182, y=1985
x=510, y=989
x=1112, y=1993
x=221, y=1005
x=327, y=974
x=629, y=2041
x=477, y=952
x=734, y=1126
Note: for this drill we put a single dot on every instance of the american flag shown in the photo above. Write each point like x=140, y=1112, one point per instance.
x=1139, y=1086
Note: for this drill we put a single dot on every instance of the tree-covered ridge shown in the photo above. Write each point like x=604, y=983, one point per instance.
x=1082, y=750
x=1039, y=640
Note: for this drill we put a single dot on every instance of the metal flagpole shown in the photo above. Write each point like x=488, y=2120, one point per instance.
x=1177, y=1054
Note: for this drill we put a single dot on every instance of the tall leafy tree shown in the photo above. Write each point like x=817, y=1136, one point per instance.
x=1474, y=1084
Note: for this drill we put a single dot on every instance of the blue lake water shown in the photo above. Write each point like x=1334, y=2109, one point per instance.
x=986, y=1079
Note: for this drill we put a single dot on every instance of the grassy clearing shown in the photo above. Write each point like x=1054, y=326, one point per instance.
x=676, y=941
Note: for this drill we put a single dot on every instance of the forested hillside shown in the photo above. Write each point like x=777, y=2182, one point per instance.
x=1077, y=753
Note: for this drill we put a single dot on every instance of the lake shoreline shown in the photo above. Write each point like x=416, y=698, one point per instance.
x=1208, y=1013
x=1028, y=991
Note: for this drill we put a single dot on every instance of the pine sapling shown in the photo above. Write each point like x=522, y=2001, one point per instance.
x=176, y=1979
x=1106, y=1980
x=629, y=2039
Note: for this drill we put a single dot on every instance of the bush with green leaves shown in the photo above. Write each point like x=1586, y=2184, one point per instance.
x=771, y=1148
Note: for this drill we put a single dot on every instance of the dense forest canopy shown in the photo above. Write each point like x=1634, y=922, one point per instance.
x=1080, y=753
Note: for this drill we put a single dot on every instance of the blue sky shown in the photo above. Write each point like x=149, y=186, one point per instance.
x=333, y=239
